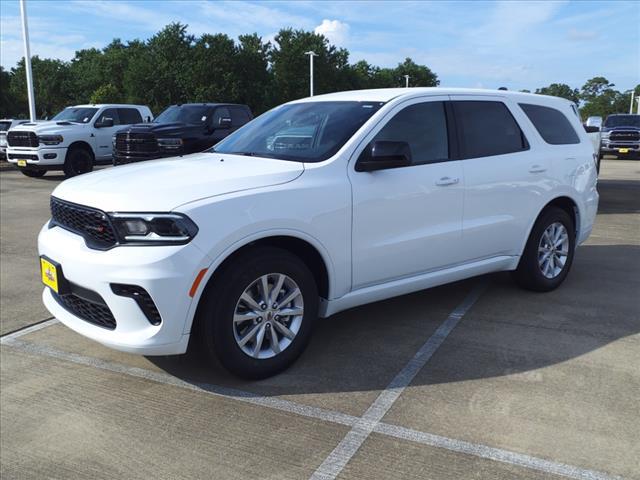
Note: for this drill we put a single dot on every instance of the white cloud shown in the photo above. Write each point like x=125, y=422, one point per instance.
x=581, y=35
x=336, y=31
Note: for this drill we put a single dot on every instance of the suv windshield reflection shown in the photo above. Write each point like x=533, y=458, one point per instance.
x=304, y=132
x=194, y=114
x=76, y=114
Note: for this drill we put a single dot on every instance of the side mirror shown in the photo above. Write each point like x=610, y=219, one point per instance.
x=382, y=155
x=224, y=122
x=591, y=129
x=106, y=122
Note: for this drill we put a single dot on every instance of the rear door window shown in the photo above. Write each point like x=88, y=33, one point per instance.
x=551, y=124
x=424, y=127
x=487, y=128
x=129, y=116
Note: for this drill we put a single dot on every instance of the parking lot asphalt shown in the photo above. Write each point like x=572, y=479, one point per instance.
x=477, y=379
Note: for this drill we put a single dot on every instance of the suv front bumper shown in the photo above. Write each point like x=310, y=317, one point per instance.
x=165, y=272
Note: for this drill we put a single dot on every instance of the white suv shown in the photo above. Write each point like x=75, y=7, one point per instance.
x=317, y=206
x=73, y=141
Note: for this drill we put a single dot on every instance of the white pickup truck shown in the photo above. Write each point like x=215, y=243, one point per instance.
x=74, y=141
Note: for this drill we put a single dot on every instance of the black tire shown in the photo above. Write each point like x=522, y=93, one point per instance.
x=77, y=162
x=33, y=172
x=598, y=164
x=529, y=273
x=214, y=321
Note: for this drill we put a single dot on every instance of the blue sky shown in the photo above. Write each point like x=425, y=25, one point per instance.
x=517, y=44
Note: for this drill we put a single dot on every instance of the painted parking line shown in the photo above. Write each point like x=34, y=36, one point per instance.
x=477, y=450
x=27, y=330
x=351, y=443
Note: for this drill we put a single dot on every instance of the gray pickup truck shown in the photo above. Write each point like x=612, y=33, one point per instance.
x=620, y=136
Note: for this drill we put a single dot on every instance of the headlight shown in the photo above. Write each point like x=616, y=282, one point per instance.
x=605, y=134
x=170, y=143
x=50, y=139
x=113, y=140
x=154, y=228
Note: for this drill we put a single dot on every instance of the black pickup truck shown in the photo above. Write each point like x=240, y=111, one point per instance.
x=179, y=130
x=620, y=136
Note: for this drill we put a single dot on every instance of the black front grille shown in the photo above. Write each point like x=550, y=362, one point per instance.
x=136, y=143
x=624, y=136
x=22, y=139
x=92, y=224
x=89, y=311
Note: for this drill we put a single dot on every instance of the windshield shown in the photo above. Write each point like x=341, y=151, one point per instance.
x=194, y=114
x=303, y=132
x=622, y=121
x=76, y=114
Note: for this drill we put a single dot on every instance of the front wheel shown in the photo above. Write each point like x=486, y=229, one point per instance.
x=77, y=162
x=548, y=255
x=257, y=315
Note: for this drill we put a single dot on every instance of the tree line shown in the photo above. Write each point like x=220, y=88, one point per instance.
x=174, y=66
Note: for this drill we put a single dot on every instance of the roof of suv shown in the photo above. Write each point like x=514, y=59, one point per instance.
x=387, y=94
x=100, y=105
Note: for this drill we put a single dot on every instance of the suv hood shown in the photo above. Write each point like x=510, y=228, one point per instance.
x=163, y=185
x=42, y=128
x=163, y=129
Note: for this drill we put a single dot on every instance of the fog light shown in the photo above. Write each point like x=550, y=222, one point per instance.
x=49, y=156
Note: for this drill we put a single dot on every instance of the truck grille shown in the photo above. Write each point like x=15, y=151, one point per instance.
x=624, y=136
x=136, y=143
x=92, y=224
x=92, y=312
x=22, y=139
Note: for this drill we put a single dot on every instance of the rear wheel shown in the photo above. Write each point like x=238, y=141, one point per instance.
x=77, y=162
x=257, y=315
x=548, y=254
x=34, y=172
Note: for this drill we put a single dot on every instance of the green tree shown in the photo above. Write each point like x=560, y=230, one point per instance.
x=107, y=94
x=212, y=69
x=561, y=90
x=290, y=65
x=9, y=108
x=51, y=83
x=252, y=80
x=419, y=75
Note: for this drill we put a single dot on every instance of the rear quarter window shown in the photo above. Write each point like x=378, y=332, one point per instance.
x=487, y=128
x=129, y=116
x=552, y=125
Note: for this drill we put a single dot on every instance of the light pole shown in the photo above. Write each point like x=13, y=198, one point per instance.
x=406, y=81
x=311, y=55
x=27, y=61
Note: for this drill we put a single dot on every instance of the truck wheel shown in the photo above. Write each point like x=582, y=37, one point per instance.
x=257, y=315
x=34, y=172
x=548, y=255
x=77, y=162
x=598, y=164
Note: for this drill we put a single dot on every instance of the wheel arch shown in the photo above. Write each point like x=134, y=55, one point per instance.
x=564, y=202
x=83, y=145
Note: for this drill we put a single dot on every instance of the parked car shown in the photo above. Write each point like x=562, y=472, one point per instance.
x=5, y=125
x=179, y=130
x=620, y=136
x=317, y=206
x=73, y=141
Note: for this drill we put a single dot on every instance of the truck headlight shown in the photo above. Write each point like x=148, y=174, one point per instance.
x=50, y=139
x=170, y=143
x=605, y=134
x=154, y=228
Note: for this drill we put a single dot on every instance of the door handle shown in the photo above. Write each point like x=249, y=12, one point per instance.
x=537, y=169
x=444, y=181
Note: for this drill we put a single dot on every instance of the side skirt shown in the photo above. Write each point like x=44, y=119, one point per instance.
x=403, y=286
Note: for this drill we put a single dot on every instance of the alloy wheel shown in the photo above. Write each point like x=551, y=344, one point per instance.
x=553, y=250
x=268, y=316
